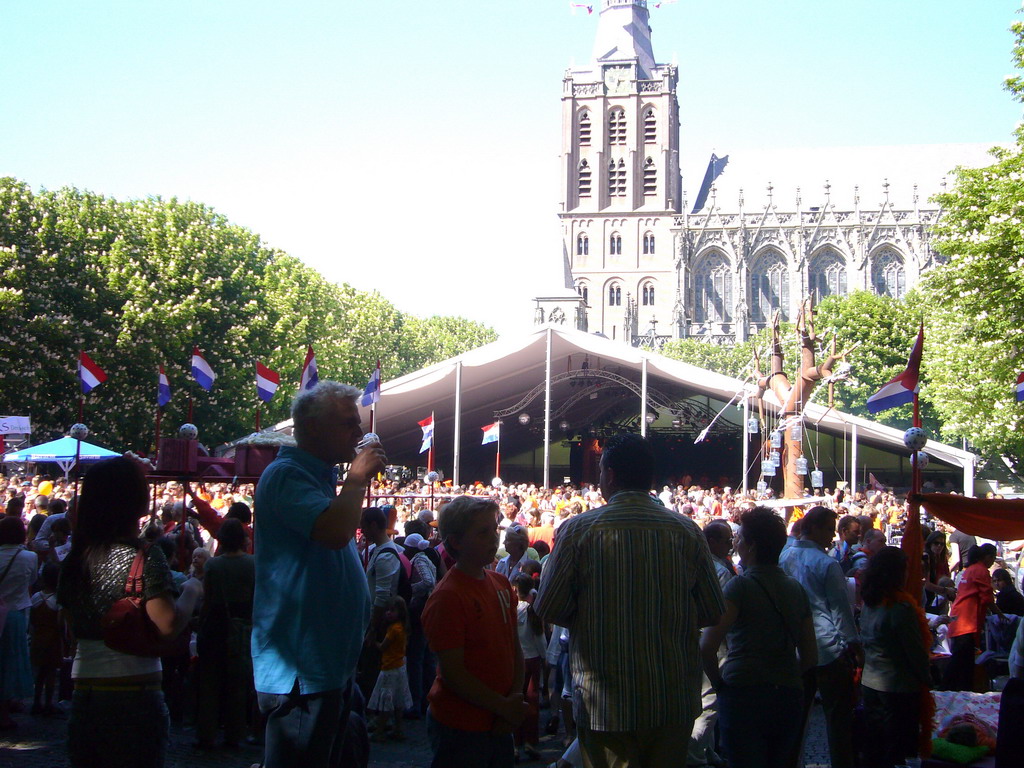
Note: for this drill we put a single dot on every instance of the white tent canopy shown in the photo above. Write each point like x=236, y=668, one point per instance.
x=474, y=389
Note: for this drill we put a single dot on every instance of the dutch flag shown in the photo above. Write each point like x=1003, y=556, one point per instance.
x=901, y=390
x=1020, y=388
x=201, y=370
x=427, y=425
x=266, y=382
x=89, y=374
x=309, y=372
x=491, y=433
x=371, y=394
x=163, y=388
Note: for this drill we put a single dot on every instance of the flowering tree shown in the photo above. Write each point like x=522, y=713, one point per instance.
x=976, y=301
x=137, y=284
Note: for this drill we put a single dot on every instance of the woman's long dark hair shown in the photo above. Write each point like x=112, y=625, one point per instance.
x=884, y=575
x=114, y=496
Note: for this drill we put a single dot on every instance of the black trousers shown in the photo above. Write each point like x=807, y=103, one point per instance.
x=892, y=722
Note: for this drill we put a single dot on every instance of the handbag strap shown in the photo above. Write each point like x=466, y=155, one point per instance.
x=771, y=600
x=11, y=563
x=136, y=583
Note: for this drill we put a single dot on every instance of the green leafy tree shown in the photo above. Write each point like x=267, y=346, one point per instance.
x=976, y=300
x=884, y=330
x=137, y=284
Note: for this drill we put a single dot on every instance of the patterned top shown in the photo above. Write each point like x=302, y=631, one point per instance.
x=87, y=600
x=634, y=583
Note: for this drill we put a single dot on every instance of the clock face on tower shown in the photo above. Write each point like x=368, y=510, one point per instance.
x=617, y=79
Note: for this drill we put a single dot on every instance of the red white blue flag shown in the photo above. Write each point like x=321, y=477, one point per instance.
x=371, y=394
x=901, y=390
x=1020, y=388
x=201, y=370
x=163, y=388
x=309, y=373
x=90, y=374
x=266, y=382
x=427, y=425
x=491, y=433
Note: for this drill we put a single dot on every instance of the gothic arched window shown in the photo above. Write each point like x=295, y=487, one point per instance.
x=617, y=178
x=617, y=126
x=582, y=245
x=584, y=129
x=583, y=290
x=614, y=295
x=888, y=275
x=713, y=290
x=769, y=288
x=615, y=244
x=826, y=275
x=647, y=294
x=650, y=126
x=649, y=243
x=584, y=179
x=650, y=177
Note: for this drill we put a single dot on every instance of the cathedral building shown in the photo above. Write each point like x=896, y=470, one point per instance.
x=644, y=267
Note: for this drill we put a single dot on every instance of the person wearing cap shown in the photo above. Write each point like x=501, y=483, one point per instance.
x=423, y=580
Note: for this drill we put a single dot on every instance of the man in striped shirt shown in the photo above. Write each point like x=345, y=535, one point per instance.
x=634, y=583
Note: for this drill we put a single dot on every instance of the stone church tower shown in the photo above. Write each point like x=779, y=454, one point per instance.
x=621, y=186
x=646, y=270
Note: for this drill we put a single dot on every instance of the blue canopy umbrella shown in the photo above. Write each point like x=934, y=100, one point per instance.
x=61, y=452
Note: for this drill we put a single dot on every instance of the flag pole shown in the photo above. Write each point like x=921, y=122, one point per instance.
x=159, y=417
x=430, y=453
x=497, y=456
x=258, y=408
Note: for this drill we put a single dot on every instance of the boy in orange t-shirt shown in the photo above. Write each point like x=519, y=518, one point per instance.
x=476, y=701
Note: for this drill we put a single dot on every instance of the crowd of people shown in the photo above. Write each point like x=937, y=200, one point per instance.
x=317, y=613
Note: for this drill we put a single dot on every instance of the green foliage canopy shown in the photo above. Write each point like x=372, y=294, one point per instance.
x=136, y=284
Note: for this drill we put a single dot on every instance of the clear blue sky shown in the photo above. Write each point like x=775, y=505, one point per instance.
x=412, y=146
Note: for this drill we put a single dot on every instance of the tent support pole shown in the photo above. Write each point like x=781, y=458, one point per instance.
x=458, y=421
x=853, y=458
x=643, y=398
x=746, y=442
x=969, y=477
x=547, y=414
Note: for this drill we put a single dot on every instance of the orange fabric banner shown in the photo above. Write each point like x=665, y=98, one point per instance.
x=998, y=519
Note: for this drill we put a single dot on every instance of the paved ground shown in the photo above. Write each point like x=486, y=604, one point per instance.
x=39, y=743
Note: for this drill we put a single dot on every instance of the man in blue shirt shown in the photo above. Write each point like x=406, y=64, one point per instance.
x=311, y=604
x=839, y=649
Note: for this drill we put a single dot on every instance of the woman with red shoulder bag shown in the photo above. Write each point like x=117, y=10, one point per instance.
x=122, y=608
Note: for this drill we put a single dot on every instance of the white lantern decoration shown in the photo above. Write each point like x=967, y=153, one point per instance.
x=79, y=431
x=921, y=459
x=753, y=426
x=801, y=466
x=768, y=468
x=776, y=439
x=188, y=431
x=432, y=476
x=496, y=482
x=817, y=479
x=915, y=438
x=776, y=458
x=797, y=432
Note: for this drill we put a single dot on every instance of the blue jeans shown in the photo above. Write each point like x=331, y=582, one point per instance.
x=305, y=730
x=122, y=728
x=759, y=725
x=455, y=748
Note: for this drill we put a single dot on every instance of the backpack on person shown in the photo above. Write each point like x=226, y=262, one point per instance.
x=405, y=571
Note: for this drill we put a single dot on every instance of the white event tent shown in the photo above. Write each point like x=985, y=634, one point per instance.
x=567, y=382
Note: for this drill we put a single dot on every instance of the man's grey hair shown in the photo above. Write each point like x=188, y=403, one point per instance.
x=309, y=405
